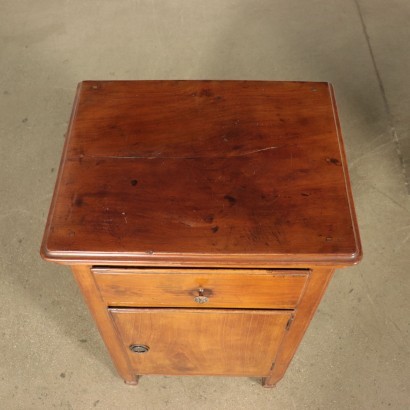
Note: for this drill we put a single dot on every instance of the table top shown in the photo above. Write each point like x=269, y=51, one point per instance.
x=203, y=173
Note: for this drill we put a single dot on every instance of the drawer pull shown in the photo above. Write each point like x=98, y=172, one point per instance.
x=139, y=348
x=201, y=298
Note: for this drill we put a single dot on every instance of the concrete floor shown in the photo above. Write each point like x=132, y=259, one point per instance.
x=356, y=353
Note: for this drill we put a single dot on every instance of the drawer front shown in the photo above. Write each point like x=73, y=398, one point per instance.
x=259, y=289
x=201, y=341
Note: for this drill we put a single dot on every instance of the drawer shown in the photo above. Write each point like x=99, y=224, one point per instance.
x=201, y=341
x=206, y=288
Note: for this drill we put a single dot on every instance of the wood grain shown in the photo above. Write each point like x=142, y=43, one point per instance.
x=203, y=172
x=317, y=284
x=223, y=288
x=86, y=283
x=207, y=342
x=162, y=180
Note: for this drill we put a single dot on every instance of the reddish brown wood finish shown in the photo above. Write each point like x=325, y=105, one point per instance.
x=163, y=180
x=206, y=342
x=209, y=173
x=254, y=289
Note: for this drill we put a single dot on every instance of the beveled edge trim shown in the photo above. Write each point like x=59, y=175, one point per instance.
x=44, y=252
x=348, y=186
x=197, y=259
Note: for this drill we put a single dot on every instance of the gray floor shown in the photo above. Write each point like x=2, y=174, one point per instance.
x=356, y=353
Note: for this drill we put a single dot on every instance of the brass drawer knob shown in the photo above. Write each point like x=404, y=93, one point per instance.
x=139, y=348
x=201, y=298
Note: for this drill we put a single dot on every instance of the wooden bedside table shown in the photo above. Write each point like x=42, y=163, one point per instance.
x=203, y=220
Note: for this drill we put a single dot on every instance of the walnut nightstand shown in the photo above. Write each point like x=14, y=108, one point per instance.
x=203, y=220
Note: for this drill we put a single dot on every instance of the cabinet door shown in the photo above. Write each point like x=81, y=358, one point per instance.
x=201, y=341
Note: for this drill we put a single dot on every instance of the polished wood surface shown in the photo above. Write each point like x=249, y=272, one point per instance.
x=221, y=288
x=208, y=173
x=208, y=342
x=203, y=220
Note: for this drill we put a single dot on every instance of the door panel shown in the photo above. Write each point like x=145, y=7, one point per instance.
x=200, y=341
